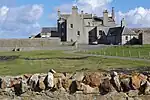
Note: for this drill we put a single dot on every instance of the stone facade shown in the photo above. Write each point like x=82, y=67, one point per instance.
x=77, y=27
x=87, y=28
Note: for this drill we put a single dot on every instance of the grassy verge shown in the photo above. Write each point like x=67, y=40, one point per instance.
x=22, y=66
x=136, y=51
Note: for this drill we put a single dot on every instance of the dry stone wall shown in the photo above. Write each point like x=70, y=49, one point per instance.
x=29, y=42
x=75, y=86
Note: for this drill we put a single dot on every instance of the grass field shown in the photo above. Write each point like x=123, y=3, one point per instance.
x=60, y=62
x=136, y=51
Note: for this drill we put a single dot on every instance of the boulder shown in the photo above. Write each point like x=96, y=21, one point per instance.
x=88, y=90
x=133, y=93
x=16, y=84
x=75, y=85
x=41, y=83
x=3, y=84
x=66, y=84
x=115, y=81
x=116, y=96
x=106, y=87
x=92, y=80
x=33, y=81
x=58, y=83
x=49, y=79
x=137, y=79
x=78, y=76
x=125, y=84
x=27, y=76
x=145, y=88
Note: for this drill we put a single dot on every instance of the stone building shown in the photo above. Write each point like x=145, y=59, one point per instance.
x=87, y=28
x=47, y=32
x=143, y=34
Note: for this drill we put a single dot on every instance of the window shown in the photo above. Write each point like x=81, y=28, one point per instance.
x=126, y=37
x=78, y=33
x=100, y=32
x=71, y=25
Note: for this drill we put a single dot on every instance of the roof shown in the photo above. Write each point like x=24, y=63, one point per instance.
x=114, y=31
x=86, y=16
x=101, y=19
x=141, y=30
x=65, y=16
x=48, y=29
x=127, y=31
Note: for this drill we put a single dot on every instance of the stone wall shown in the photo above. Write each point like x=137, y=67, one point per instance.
x=146, y=38
x=29, y=42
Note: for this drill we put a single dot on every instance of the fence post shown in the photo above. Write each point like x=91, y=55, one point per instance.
x=104, y=53
x=123, y=53
x=116, y=54
x=129, y=53
x=139, y=54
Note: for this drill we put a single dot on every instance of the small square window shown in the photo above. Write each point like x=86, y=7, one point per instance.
x=71, y=25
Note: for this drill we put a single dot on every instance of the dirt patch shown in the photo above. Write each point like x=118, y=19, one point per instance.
x=8, y=58
x=67, y=58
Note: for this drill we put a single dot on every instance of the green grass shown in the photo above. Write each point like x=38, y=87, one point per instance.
x=136, y=51
x=22, y=66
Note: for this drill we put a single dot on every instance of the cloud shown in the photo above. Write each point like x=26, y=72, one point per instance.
x=94, y=4
x=20, y=21
x=88, y=6
x=138, y=17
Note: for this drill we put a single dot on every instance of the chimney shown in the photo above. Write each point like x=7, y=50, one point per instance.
x=74, y=10
x=82, y=14
x=123, y=22
x=58, y=13
x=105, y=18
x=113, y=14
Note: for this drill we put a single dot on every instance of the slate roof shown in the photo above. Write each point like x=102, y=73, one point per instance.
x=101, y=19
x=48, y=29
x=127, y=31
x=86, y=16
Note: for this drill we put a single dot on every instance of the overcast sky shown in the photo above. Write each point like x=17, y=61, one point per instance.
x=21, y=18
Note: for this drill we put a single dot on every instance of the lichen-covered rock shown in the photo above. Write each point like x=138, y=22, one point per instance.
x=93, y=80
x=78, y=76
x=89, y=90
x=3, y=84
x=66, y=83
x=115, y=81
x=137, y=79
x=125, y=84
x=106, y=87
x=133, y=93
x=41, y=83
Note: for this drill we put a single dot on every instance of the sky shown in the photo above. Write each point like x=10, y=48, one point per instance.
x=22, y=18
